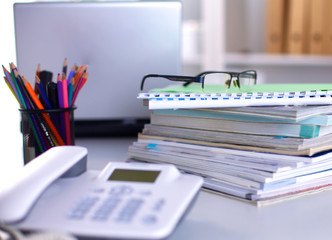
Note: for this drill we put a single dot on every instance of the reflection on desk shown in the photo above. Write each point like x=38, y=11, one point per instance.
x=217, y=217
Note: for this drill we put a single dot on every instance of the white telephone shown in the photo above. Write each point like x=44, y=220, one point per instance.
x=123, y=201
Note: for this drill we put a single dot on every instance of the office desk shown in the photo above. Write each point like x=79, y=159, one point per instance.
x=217, y=217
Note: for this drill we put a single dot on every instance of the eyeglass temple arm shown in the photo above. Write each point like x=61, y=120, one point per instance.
x=187, y=79
x=145, y=77
x=198, y=79
x=186, y=84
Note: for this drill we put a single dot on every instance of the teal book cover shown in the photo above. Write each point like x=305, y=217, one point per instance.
x=246, y=127
x=321, y=120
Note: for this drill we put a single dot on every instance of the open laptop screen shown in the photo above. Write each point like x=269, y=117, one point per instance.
x=119, y=41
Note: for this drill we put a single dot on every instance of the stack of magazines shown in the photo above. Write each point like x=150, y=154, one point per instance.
x=261, y=155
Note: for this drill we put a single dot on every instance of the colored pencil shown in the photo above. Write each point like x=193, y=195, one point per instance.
x=65, y=93
x=60, y=99
x=41, y=130
x=78, y=75
x=66, y=113
x=17, y=99
x=43, y=93
x=60, y=91
x=58, y=139
x=34, y=126
x=64, y=68
x=36, y=133
x=38, y=70
x=44, y=126
x=77, y=87
x=85, y=78
x=26, y=97
x=32, y=93
x=44, y=135
x=37, y=74
x=12, y=86
x=71, y=73
x=70, y=91
x=80, y=83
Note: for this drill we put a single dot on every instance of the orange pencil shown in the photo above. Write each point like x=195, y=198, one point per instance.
x=85, y=78
x=41, y=107
x=78, y=75
x=32, y=94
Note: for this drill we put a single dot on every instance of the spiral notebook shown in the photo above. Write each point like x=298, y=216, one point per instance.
x=215, y=96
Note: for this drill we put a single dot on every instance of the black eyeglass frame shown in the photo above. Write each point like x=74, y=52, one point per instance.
x=200, y=78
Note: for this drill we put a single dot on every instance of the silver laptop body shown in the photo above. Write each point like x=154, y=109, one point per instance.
x=119, y=41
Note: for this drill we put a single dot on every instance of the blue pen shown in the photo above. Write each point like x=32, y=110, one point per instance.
x=43, y=93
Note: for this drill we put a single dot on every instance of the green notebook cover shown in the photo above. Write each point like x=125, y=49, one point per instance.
x=290, y=87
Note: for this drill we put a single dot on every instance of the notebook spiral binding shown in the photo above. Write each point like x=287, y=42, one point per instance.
x=214, y=100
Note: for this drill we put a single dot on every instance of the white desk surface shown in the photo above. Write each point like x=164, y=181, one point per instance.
x=217, y=217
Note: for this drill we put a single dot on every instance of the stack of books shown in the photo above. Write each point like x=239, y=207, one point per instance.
x=261, y=155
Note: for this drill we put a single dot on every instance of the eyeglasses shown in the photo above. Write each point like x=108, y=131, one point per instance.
x=243, y=80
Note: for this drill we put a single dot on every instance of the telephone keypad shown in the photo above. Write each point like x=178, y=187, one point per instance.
x=105, y=209
x=120, y=203
x=149, y=219
x=121, y=190
x=129, y=210
x=82, y=208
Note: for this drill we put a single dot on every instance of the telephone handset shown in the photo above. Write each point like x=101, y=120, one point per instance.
x=123, y=201
x=31, y=180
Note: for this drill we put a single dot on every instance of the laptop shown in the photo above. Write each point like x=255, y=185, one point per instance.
x=120, y=41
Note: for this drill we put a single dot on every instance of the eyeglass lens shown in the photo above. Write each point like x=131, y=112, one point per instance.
x=218, y=78
x=245, y=81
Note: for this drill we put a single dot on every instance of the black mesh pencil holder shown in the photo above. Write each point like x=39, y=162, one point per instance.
x=44, y=129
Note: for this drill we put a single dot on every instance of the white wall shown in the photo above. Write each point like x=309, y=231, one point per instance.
x=11, y=154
